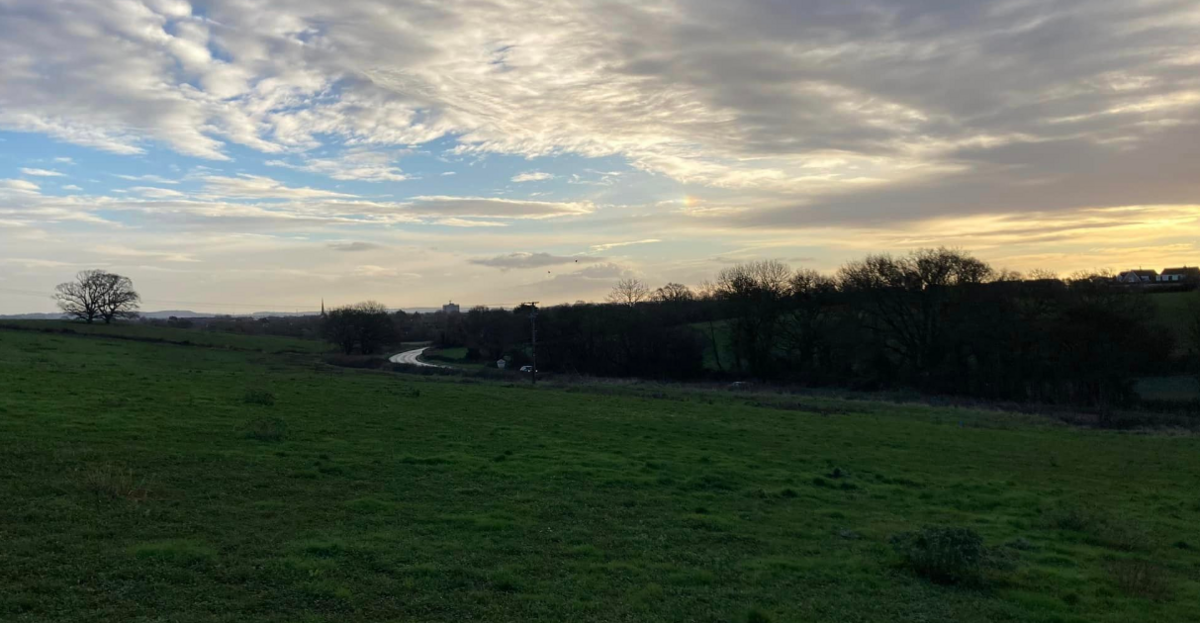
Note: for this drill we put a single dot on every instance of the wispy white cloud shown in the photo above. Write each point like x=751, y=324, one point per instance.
x=498, y=208
x=156, y=193
x=246, y=186
x=41, y=172
x=524, y=259
x=612, y=245
x=532, y=176
x=153, y=179
x=354, y=247
x=19, y=186
x=355, y=164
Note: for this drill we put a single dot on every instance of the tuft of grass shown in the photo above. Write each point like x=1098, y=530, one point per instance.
x=259, y=397
x=176, y=551
x=269, y=429
x=112, y=482
x=1102, y=528
x=758, y=616
x=1140, y=578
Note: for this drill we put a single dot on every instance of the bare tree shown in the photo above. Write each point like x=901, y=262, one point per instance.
x=674, y=293
x=755, y=292
x=629, y=292
x=907, y=296
x=119, y=299
x=97, y=294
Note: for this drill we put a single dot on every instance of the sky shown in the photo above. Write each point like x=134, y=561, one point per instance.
x=239, y=156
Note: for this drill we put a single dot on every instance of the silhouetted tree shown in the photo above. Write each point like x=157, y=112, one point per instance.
x=629, y=292
x=674, y=293
x=904, y=300
x=755, y=292
x=366, y=326
x=97, y=294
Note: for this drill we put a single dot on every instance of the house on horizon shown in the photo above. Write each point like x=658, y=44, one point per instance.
x=1138, y=276
x=1178, y=275
x=450, y=308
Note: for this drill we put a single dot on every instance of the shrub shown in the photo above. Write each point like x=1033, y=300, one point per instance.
x=1140, y=578
x=757, y=616
x=266, y=429
x=258, y=397
x=107, y=481
x=946, y=555
x=1101, y=529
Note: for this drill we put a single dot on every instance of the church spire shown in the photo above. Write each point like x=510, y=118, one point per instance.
x=322, y=307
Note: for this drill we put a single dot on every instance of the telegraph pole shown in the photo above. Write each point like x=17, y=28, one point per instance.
x=533, y=332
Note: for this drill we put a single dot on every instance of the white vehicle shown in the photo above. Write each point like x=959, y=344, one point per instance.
x=527, y=369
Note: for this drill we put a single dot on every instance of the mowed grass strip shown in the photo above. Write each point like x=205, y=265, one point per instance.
x=156, y=482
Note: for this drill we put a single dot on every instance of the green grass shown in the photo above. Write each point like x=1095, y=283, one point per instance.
x=131, y=490
x=455, y=357
x=198, y=337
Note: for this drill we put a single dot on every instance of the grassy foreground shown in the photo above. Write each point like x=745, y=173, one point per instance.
x=162, y=482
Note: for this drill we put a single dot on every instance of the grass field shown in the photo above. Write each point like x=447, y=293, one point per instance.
x=160, y=482
x=455, y=357
x=152, y=333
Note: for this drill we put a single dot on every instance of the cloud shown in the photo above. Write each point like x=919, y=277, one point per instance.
x=355, y=164
x=612, y=245
x=40, y=172
x=156, y=193
x=462, y=222
x=483, y=207
x=448, y=173
x=354, y=247
x=71, y=187
x=796, y=101
x=247, y=186
x=19, y=186
x=64, y=160
x=153, y=179
x=382, y=272
x=532, y=176
x=523, y=259
x=126, y=252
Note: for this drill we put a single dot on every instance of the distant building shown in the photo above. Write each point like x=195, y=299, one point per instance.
x=1138, y=276
x=501, y=364
x=1176, y=275
x=450, y=308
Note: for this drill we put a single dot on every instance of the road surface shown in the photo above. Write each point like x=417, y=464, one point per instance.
x=410, y=357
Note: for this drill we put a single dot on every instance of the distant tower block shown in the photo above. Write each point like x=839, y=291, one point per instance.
x=450, y=308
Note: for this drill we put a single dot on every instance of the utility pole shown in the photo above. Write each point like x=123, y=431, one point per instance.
x=533, y=332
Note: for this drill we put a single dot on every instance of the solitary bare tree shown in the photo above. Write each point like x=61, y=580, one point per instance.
x=674, y=293
x=629, y=292
x=97, y=294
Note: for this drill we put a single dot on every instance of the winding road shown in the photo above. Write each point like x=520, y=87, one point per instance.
x=410, y=357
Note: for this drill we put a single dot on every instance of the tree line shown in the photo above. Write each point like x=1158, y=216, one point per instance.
x=936, y=320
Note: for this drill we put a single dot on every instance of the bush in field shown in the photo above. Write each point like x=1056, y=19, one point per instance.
x=946, y=555
x=259, y=397
x=1140, y=578
x=266, y=429
x=108, y=481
